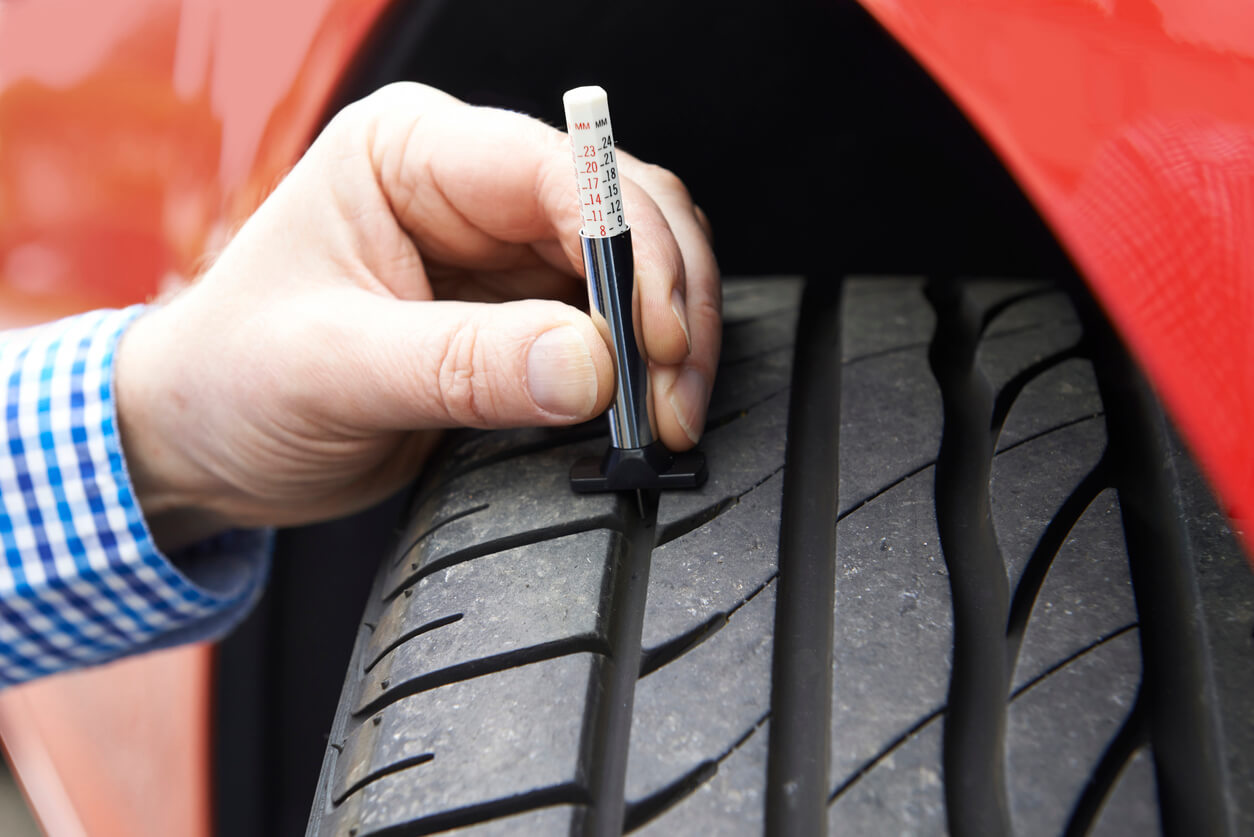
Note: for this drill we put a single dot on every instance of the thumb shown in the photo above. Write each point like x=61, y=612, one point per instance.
x=451, y=364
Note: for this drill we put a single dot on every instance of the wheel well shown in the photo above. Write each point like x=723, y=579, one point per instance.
x=807, y=133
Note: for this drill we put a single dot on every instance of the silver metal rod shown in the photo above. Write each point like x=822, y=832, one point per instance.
x=611, y=283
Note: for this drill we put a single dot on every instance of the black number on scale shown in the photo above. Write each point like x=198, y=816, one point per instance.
x=613, y=189
x=607, y=142
x=614, y=206
x=611, y=173
x=609, y=157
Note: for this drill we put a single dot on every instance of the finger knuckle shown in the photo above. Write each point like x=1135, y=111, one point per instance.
x=462, y=382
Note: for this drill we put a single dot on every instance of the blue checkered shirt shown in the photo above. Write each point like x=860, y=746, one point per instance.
x=82, y=580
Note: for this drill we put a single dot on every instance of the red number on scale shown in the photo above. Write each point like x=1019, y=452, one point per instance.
x=589, y=151
x=590, y=168
x=593, y=181
x=602, y=229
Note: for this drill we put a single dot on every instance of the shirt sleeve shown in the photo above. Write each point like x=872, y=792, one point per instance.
x=82, y=581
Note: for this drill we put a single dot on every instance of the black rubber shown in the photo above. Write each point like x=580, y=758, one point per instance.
x=1002, y=601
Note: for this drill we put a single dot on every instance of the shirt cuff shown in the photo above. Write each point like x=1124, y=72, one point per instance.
x=82, y=581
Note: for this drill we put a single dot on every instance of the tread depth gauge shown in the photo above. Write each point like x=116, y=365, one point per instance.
x=636, y=459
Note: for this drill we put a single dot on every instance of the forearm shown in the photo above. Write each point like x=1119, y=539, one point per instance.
x=83, y=580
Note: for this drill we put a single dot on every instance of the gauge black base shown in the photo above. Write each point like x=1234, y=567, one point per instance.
x=630, y=469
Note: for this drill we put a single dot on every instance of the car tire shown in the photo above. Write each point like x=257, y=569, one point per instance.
x=952, y=572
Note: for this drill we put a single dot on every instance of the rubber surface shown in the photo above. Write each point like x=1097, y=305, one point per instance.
x=1028, y=617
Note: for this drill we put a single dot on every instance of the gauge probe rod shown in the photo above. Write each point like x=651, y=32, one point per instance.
x=636, y=459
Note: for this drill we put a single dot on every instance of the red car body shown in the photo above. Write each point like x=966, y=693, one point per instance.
x=136, y=134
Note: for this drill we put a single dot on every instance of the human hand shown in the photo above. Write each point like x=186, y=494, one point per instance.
x=385, y=290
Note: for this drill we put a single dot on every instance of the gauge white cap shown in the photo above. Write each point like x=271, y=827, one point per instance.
x=596, y=167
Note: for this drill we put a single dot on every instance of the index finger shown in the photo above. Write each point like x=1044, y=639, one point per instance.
x=473, y=186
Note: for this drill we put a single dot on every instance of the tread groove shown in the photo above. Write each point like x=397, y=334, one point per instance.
x=401, y=553
x=1184, y=731
x=395, y=767
x=608, y=732
x=482, y=666
x=801, y=691
x=408, y=635
x=501, y=544
x=973, y=741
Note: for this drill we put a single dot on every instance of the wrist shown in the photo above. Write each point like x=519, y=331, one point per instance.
x=168, y=484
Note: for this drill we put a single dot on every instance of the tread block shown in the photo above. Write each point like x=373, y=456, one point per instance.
x=1057, y=730
x=884, y=315
x=893, y=627
x=543, y=594
x=488, y=446
x=731, y=802
x=749, y=338
x=1047, y=304
x=1062, y=395
x=480, y=735
x=559, y=819
x=890, y=417
x=748, y=299
x=741, y=386
x=713, y=569
x=673, y=730
x=1032, y=481
x=1002, y=357
x=1086, y=595
x=740, y=455
x=902, y=794
x=987, y=294
x=1128, y=810
x=510, y=515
